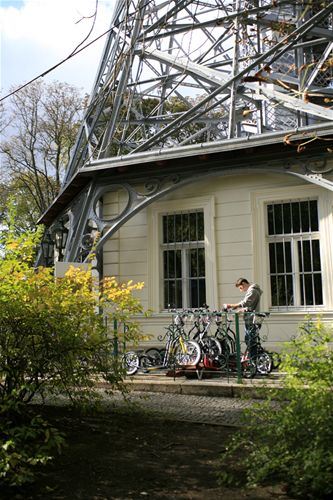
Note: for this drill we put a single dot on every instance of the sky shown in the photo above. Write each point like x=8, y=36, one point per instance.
x=37, y=34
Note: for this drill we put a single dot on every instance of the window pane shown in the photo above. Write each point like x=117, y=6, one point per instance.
x=286, y=212
x=172, y=264
x=272, y=258
x=282, y=290
x=197, y=262
x=202, y=292
x=316, y=266
x=289, y=290
x=193, y=263
x=306, y=289
x=311, y=289
x=288, y=257
x=173, y=294
x=165, y=229
x=179, y=294
x=295, y=218
x=170, y=232
x=186, y=227
x=270, y=219
x=178, y=228
x=305, y=216
x=274, y=290
x=167, y=299
x=278, y=218
x=318, y=289
x=201, y=262
x=310, y=278
x=193, y=226
x=304, y=256
x=197, y=293
x=201, y=230
x=280, y=257
x=314, y=215
x=166, y=264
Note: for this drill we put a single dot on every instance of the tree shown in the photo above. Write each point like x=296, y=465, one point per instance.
x=42, y=122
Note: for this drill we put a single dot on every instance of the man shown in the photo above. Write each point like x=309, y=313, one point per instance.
x=251, y=300
x=250, y=303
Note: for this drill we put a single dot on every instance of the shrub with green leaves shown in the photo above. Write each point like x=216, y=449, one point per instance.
x=52, y=341
x=26, y=441
x=288, y=438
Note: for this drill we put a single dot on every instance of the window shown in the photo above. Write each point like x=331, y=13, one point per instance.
x=183, y=257
x=294, y=253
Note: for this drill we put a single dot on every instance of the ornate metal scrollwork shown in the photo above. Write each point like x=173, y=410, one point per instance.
x=319, y=166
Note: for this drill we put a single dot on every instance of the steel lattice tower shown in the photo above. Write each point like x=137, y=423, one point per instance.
x=182, y=76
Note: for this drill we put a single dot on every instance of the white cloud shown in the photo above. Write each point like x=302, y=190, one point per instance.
x=37, y=34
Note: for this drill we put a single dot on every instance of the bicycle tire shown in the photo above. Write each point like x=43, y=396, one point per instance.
x=249, y=368
x=162, y=355
x=131, y=362
x=222, y=361
x=155, y=356
x=276, y=359
x=211, y=346
x=191, y=354
x=264, y=363
x=145, y=362
x=226, y=348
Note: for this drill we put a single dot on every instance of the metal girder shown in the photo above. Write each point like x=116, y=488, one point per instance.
x=213, y=75
x=270, y=34
x=260, y=91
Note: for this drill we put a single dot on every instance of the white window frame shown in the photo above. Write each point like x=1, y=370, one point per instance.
x=184, y=247
x=259, y=202
x=155, y=235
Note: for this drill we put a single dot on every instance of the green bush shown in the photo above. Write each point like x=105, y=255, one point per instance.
x=52, y=341
x=289, y=438
x=27, y=440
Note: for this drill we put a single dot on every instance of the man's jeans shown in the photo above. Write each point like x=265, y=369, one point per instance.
x=250, y=336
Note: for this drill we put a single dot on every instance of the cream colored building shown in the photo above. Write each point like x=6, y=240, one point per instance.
x=190, y=247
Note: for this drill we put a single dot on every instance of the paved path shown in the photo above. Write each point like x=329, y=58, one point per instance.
x=200, y=409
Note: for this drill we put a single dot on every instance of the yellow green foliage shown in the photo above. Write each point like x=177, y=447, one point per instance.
x=288, y=437
x=54, y=339
x=49, y=325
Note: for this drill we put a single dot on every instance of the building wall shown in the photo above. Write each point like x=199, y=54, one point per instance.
x=235, y=244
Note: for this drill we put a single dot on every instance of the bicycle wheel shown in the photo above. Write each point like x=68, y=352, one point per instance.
x=131, y=362
x=222, y=361
x=162, y=355
x=264, y=363
x=189, y=355
x=154, y=355
x=226, y=347
x=145, y=362
x=276, y=360
x=211, y=346
x=249, y=368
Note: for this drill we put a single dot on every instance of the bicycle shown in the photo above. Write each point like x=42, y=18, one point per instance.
x=209, y=345
x=178, y=351
x=130, y=362
x=255, y=359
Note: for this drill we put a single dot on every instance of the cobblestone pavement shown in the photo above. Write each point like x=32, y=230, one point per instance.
x=200, y=409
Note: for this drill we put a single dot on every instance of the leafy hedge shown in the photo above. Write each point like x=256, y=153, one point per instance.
x=289, y=439
x=52, y=341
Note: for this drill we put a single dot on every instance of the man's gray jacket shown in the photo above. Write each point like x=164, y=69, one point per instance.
x=251, y=301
